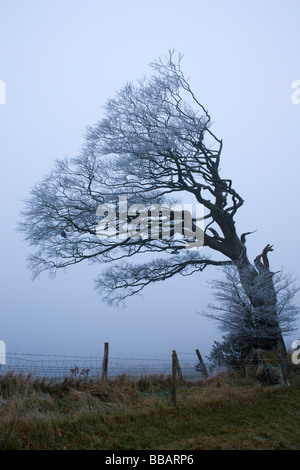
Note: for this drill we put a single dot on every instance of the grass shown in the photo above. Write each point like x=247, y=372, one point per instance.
x=223, y=412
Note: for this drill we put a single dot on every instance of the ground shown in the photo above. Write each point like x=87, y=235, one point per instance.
x=228, y=411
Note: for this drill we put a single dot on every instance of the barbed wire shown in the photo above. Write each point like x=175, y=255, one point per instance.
x=58, y=365
x=55, y=365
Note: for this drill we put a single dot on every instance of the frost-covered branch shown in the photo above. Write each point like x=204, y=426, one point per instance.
x=125, y=279
x=246, y=325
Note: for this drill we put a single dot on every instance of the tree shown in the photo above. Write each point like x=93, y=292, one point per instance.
x=153, y=146
x=244, y=326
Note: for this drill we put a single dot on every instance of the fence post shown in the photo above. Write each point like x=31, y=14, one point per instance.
x=105, y=363
x=178, y=369
x=202, y=363
x=173, y=380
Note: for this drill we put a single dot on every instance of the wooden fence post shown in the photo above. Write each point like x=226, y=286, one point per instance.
x=173, y=380
x=105, y=363
x=178, y=369
x=202, y=363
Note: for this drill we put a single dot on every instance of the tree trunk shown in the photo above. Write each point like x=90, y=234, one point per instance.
x=257, y=282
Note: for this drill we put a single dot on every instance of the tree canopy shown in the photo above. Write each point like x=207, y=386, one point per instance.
x=154, y=146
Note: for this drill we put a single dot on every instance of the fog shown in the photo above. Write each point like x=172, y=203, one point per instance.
x=60, y=62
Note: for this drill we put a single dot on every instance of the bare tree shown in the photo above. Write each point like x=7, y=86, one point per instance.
x=153, y=145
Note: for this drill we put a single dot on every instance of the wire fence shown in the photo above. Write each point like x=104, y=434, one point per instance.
x=60, y=366
x=63, y=366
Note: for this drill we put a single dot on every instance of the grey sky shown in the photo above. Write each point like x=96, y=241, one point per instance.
x=60, y=61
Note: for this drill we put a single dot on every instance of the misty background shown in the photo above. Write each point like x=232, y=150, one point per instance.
x=60, y=61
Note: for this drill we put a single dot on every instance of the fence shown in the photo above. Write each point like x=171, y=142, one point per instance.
x=61, y=366
x=178, y=365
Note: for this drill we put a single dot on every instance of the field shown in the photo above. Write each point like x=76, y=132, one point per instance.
x=228, y=411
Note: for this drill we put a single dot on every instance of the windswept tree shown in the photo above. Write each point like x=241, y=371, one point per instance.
x=155, y=145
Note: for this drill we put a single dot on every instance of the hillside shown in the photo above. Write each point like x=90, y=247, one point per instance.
x=222, y=412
